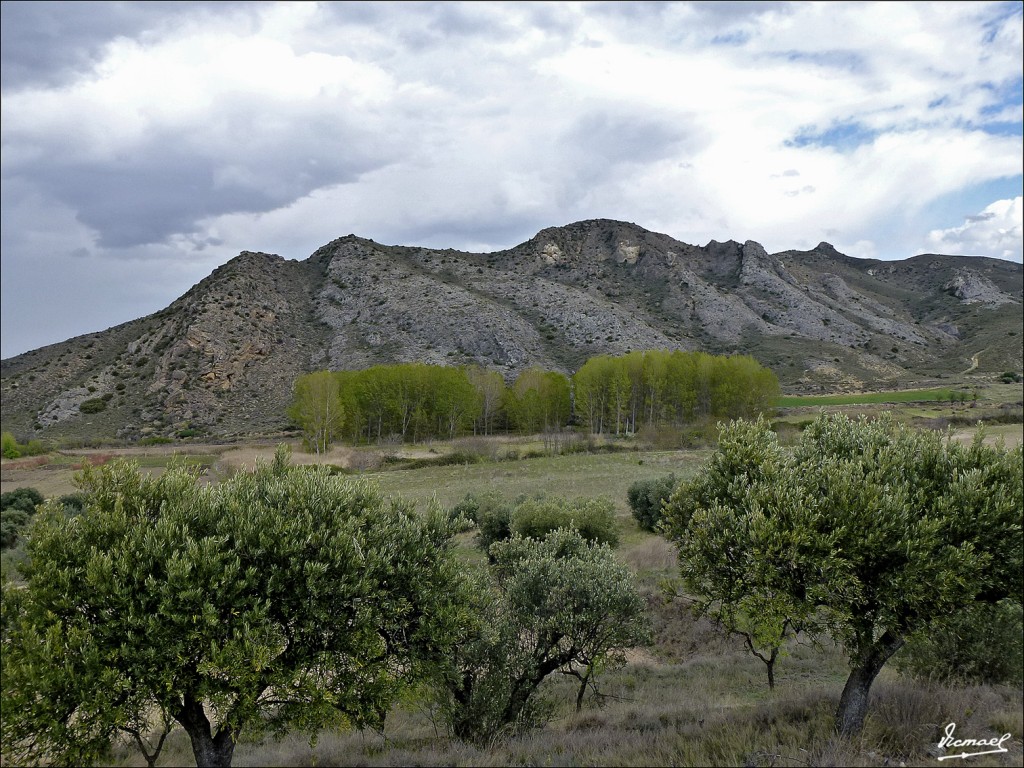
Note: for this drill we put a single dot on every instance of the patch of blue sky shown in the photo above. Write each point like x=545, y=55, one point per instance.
x=952, y=209
x=1005, y=12
x=850, y=61
x=845, y=136
x=735, y=37
x=1000, y=127
x=1007, y=99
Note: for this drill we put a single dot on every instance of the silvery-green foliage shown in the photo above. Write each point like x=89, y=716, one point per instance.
x=283, y=598
x=868, y=530
x=546, y=605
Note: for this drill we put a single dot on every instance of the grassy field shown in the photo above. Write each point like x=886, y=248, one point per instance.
x=904, y=396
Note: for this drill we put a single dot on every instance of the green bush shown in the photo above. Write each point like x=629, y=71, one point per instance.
x=155, y=440
x=544, y=606
x=12, y=522
x=93, y=405
x=16, y=509
x=21, y=498
x=9, y=446
x=455, y=458
x=473, y=506
x=593, y=518
x=646, y=498
x=493, y=519
x=73, y=503
x=983, y=644
x=498, y=519
x=34, y=448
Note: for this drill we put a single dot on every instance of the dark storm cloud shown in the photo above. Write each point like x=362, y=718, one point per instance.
x=246, y=161
x=49, y=44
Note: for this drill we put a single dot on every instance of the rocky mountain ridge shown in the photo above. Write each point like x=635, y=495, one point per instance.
x=221, y=359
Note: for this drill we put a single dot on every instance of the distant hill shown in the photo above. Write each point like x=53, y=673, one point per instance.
x=221, y=359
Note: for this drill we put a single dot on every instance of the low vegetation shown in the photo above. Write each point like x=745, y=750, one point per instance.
x=902, y=396
x=535, y=517
x=12, y=449
x=543, y=645
x=16, y=510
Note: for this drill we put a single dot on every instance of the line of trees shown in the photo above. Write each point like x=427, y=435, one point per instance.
x=620, y=394
x=608, y=395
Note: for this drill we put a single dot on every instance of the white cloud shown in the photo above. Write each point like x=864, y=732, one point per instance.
x=997, y=231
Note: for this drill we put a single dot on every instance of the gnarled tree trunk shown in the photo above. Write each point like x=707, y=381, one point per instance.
x=853, y=704
x=211, y=751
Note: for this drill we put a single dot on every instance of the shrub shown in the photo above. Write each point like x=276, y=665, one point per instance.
x=646, y=498
x=16, y=509
x=560, y=604
x=983, y=644
x=34, y=448
x=493, y=519
x=474, y=505
x=73, y=503
x=593, y=518
x=456, y=458
x=12, y=522
x=93, y=405
x=535, y=518
x=21, y=498
x=9, y=446
x=155, y=440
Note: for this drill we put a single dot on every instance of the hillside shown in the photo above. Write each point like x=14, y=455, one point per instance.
x=220, y=360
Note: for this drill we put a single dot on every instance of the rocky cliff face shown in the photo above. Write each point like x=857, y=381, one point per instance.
x=222, y=358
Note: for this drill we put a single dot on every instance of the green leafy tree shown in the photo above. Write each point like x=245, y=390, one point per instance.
x=869, y=531
x=316, y=408
x=284, y=598
x=538, y=401
x=560, y=604
x=490, y=392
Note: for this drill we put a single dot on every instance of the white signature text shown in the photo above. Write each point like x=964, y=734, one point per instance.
x=950, y=740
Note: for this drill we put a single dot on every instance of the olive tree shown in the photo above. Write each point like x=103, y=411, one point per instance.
x=284, y=598
x=868, y=531
x=558, y=604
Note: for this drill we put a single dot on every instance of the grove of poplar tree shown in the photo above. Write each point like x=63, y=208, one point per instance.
x=607, y=395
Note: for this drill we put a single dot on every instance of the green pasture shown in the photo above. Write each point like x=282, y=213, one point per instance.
x=580, y=474
x=871, y=398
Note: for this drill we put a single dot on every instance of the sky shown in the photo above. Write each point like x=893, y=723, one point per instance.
x=145, y=144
